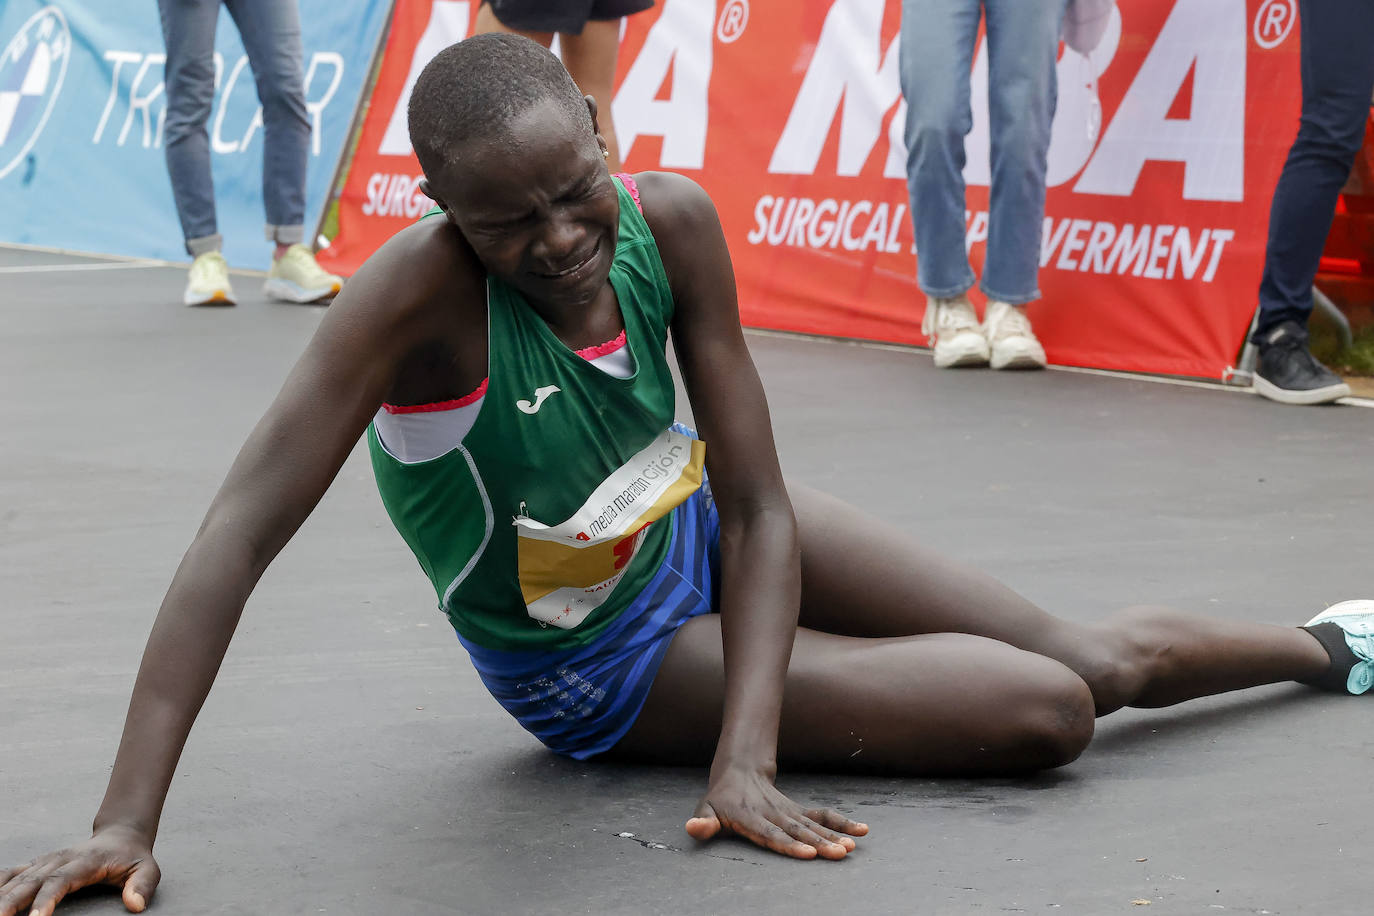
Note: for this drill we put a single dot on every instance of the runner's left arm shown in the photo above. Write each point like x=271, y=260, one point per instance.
x=760, y=558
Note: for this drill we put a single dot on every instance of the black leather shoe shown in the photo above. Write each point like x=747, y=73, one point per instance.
x=1290, y=374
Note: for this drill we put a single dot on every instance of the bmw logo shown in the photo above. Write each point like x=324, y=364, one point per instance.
x=32, y=67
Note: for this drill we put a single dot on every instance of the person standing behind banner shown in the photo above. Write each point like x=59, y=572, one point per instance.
x=588, y=39
x=271, y=33
x=1337, y=80
x=936, y=59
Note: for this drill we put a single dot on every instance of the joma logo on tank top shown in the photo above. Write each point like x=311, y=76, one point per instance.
x=540, y=394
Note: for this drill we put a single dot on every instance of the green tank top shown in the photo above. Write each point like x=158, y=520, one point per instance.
x=555, y=510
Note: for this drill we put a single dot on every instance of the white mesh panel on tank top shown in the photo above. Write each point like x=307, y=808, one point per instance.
x=426, y=431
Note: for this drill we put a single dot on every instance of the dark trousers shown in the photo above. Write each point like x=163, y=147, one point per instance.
x=1337, y=80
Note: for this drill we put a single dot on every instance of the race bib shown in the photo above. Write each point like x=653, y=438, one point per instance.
x=569, y=570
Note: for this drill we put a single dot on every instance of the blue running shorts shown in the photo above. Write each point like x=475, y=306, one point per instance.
x=582, y=701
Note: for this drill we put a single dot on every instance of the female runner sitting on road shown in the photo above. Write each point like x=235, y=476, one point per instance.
x=506, y=359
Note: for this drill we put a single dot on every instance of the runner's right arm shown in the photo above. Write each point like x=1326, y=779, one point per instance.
x=282, y=471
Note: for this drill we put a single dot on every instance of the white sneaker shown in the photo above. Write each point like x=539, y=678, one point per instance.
x=1352, y=651
x=209, y=281
x=1010, y=336
x=951, y=326
x=297, y=277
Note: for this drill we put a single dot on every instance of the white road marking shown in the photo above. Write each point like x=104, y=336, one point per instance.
x=61, y=268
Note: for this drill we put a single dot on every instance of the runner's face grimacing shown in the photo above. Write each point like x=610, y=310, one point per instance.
x=538, y=206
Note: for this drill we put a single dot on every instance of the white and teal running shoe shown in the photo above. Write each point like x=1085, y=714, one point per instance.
x=1346, y=630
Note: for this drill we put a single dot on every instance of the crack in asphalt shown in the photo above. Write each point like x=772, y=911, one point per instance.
x=653, y=844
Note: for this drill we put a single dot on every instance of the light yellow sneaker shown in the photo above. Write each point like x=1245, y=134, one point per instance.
x=209, y=281
x=1013, y=343
x=297, y=277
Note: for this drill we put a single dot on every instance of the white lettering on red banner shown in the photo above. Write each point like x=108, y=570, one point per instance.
x=680, y=40
x=852, y=77
x=1165, y=145
x=448, y=23
x=1208, y=39
x=395, y=195
x=801, y=222
x=847, y=66
x=1152, y=252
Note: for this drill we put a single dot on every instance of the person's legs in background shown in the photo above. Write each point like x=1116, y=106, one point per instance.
x=1023, y=46
x=488, y=21
x=188, y=29
x=590, y=57
x=271, y=34
x=588, y=41
x=1337, y=81
x=935, y=61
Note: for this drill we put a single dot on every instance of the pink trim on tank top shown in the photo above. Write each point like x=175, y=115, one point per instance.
x=471, y=398
x=587, y=353
x=630, y=186
x=605, y=349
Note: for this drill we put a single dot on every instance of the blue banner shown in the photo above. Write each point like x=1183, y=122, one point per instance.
x=83, y=108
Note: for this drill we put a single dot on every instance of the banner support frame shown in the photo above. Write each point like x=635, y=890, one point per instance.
x=354, y=125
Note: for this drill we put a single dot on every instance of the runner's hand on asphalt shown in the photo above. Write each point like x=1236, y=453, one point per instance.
x=116, y=856
x=747, y=804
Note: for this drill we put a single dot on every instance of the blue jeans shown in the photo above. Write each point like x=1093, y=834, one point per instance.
x=936, y=60
x=1337, y=79
x=271, y=33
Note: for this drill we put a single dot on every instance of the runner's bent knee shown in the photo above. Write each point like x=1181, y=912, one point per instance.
x=1055, y=721
x=1026, y=712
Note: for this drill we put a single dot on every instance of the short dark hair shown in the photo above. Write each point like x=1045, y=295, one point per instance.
x=474, y=88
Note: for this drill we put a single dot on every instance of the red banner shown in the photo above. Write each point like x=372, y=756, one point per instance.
x=1167, y=143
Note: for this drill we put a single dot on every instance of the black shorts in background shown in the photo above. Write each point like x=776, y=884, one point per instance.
x=561, y=15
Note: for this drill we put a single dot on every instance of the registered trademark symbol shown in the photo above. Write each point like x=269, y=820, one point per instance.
x=733, y=19
x=1274, y=22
